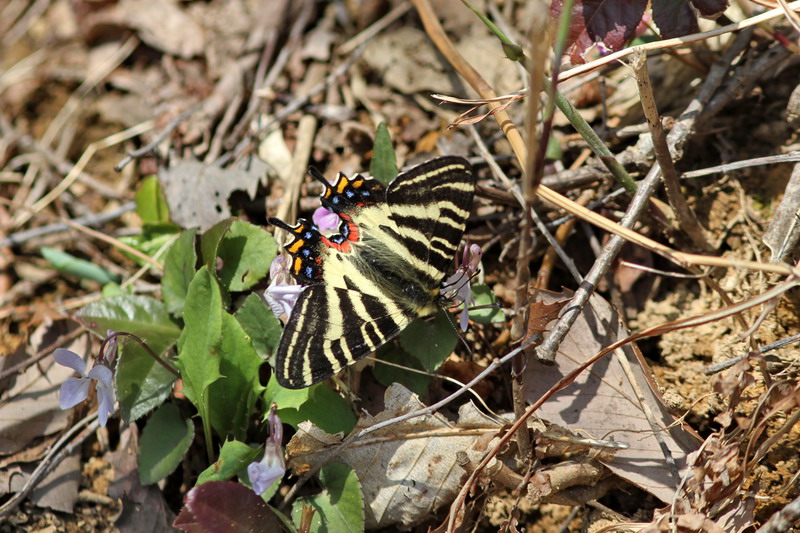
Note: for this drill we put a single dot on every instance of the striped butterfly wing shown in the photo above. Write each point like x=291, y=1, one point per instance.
x=381, y=271
x=325, y=334
x=430, y=205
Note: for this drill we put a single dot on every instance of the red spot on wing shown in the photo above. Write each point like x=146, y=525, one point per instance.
x=343, y=247
x=353, y=233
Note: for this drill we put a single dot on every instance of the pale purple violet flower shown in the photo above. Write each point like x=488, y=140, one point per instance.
x=325, y=219
x=283, y=291
x=75, y=390
x=458, y=285
x=271, y=468
x=109, y=353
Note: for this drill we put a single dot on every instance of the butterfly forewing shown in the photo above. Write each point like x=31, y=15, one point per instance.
x=384, y=269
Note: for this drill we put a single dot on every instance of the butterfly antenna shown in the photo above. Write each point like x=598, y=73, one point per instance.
x=458, y=332
x=317, y=175
x=278, y=223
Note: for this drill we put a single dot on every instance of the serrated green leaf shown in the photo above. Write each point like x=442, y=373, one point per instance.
x=384, y=164
x=198, y=346
x=340, y=505
x=75, y=266
x=233, y=459
x=142, y=316
x=179, y=268
x=165, y=439
x=233, y=396
x=319, y=404
x=151, y=205
x=246, y=252
x=482, y=295
x=257, y=319
x=390, y=374
x=430, y=342
x=142, y=382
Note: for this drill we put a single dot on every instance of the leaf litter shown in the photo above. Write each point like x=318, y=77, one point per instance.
x=75, y=74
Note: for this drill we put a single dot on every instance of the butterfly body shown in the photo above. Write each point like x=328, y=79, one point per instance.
x=383, y=269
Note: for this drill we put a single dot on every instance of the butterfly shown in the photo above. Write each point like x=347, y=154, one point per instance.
x=383, y=268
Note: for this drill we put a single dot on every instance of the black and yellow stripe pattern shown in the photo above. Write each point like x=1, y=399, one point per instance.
x=381, y=271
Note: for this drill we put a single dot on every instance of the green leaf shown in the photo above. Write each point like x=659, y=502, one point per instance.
x=151, y=241
x=430, y=342
x=257, y=319
x=198, y=346
x=340, y=506
x=165, y=439
x=142, y=316
x=319, y=404
x=482, y=295
x=233, y=397
x=142, y=382
x=246, y=252
x=384, y=165
x=210, y=239
x=389, y=374
x=179, y=268
x=75, y=266
x=554, y=150
x=233, y=459
x=110, y=290
x=150, y=202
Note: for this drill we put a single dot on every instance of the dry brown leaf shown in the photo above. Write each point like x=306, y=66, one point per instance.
x=164, y=25
x=407, y=470
x=540, y=314
x=197, y=194
x=30, y=408
x=604, y=404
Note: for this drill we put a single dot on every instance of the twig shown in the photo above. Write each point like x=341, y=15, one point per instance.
x=784, y=520
x=680, y=41
x=681, y=131
x=75, y=171
x=374, y=29
x=94, y=219
x=686, y=217
x=97, y=235
x=60, y=164
x=722, y=365
x=136, y=154
x=44, y=352
x=791, y=157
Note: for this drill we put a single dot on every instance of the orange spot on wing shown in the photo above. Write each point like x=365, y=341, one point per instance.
x=298, y=265
x=295, y=246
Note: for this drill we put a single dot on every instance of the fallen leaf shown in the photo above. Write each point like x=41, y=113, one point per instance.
x=407, y=470
x=197, y=194
x=30, y=408
x=603, y=403
x=164, y=25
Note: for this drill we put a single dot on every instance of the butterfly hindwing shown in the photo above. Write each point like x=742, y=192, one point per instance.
x=383, y=269
x=430, y=204
x=330, y=329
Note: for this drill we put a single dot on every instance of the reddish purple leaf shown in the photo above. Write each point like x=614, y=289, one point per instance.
x=710, y=8
x=224, y=507
x=674, y=18
x=611, y=22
